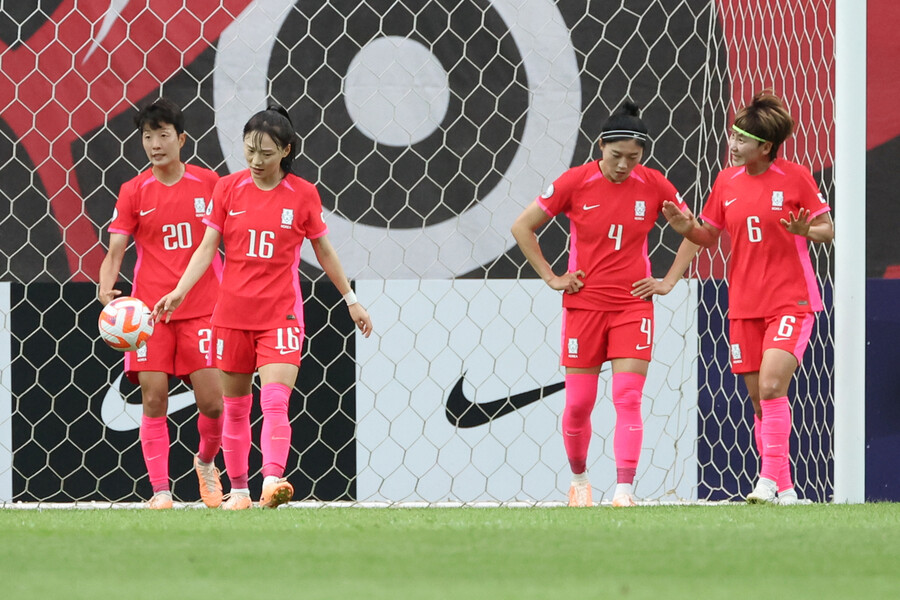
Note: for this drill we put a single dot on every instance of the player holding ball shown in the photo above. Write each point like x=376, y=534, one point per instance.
x=162, y=209
x=262, y=214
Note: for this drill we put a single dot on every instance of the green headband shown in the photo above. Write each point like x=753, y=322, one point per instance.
x=748, y=134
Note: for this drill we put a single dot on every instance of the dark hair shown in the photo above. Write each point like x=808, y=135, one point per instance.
x=158, y=113
x=275, y=122
x=625, y=124
x=766, y=117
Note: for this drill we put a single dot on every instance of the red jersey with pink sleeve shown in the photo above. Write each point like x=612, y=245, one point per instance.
x=769, y=272
x=263, y=231
x=166, y=223
x=609, y=223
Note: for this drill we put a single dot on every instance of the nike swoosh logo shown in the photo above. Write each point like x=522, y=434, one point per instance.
x=119, y=415
x=592, y=206
x=779, y=339
x=464, y=414
x=729, y=202
x=234, y=213
x=144, y=213
x=639, y=347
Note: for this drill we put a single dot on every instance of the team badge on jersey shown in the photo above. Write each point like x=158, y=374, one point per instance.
x=821, y=198
x=777, y=200
x=572, y=347
x=736, y=353
x=199, y=207
x=220, y=348
x=548, y=192
x=287, y=218
x=640, y=210
x=141, y=353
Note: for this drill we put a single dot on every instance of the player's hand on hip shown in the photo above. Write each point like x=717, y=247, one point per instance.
x=107, y=296
x=568, y=283
x=798, y=225
x=681, y=221
x=647, y=287
x=361, y=318
x=166, y=306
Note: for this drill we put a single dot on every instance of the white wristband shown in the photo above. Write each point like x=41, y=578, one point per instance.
x=350, y=298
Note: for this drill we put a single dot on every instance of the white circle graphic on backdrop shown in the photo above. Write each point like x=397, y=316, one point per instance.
x=396, y=91
x=477, y=236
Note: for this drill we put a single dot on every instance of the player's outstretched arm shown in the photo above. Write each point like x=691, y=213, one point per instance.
x=687, y=225
x=111, y=267
x=819, y=230
x=200, y=261
x=523, y=230
x=331, y=264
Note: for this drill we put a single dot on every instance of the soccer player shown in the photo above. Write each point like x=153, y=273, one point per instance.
x=262, y=214
x=162, y=209
x=770, y=207
x=612, y=204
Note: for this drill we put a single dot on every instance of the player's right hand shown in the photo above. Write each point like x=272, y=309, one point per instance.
x=166, y=306
x=107, y=296
x=568, y=283
x=681, y=221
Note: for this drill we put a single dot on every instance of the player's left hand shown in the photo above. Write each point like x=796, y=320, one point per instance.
x=361, y=318
x=798, y=225
x=647, y=287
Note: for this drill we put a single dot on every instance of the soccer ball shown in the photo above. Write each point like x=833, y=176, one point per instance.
x=125, y=324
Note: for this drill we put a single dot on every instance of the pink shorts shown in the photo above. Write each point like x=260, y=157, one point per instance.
x=591, y=337
x=750, y=338
x=242, y=351
x=178, y=348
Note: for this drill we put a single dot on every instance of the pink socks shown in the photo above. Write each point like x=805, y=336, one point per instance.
x=236, y=439
x=784, y=480
x=581, y=394
x=210, y=437
x=776, y=434
x=155, y=447
x=627, y=391
x=275, y=440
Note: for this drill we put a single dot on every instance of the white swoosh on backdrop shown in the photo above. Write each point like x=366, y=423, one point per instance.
x=119, y=415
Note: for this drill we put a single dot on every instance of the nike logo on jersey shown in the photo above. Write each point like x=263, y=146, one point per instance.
x=779, y=339
x=463, y=413
x=729, y=202
x=639, y=347
x=234, y=213
x=592, y=206
x=147, y=212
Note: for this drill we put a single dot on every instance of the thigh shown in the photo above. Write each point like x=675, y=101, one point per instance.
x=745, y=338
x=193, y=338
x=157, y=355
x=584, y=338
x=631, y=334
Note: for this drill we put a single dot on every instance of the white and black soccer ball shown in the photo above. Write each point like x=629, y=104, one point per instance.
x=125, y=324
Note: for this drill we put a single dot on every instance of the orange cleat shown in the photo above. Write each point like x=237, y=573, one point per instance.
x=276, y=493
x=160, y=501
x=210, y=483
x=237, y=502
x=580, y=494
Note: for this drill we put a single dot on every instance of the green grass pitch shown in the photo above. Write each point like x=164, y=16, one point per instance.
x=818, y=551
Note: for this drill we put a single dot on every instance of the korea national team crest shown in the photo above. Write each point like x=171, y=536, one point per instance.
x=287, y=218
x=640, y=210
x=141, y=353
x=777, y=200
x=199, y=207
x=736, y=353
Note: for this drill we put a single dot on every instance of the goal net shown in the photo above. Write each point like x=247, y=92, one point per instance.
x=427, y=127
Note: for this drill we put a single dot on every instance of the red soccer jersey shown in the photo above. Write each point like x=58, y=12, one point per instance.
x=609, y=223
x=769, y=272
x=263, y=232
x=166, y=223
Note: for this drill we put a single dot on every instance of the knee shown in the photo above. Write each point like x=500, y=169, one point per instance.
x=155, y=403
